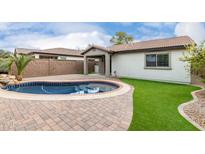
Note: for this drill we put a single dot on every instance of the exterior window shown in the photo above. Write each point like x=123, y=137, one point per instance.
x=151, y=60
x=61, y=57
x=47, y=57
x=157, y=60
x=163, y=60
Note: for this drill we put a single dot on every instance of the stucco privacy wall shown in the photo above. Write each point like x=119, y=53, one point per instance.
x=47, y=67
x=132, y=65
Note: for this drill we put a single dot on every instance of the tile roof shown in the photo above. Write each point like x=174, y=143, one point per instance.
x=25, y=51
x=55, y=51
x=180, y=41
x=157, y=44
x=96, y=47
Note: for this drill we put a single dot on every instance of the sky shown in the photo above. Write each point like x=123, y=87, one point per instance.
x=46, y=35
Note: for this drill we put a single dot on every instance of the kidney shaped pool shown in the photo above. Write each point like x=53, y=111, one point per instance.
x=84, y=87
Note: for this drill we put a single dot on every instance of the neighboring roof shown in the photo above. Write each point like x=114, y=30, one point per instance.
x=25, y=51
x=63, y=51
x=172, y=43
x=53, y=51
x=96, y=47
x=150, y=45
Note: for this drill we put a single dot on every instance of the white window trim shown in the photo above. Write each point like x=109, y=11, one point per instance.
x=158, y=67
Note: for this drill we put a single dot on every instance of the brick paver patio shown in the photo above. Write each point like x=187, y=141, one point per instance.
x=114, y=113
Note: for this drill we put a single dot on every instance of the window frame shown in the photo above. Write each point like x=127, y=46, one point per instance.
x=158, y=67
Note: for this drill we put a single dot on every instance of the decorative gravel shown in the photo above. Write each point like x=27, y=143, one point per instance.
x=196, y=110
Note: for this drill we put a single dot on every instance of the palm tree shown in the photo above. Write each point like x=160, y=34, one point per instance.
x=21, y=61
x=121, y=38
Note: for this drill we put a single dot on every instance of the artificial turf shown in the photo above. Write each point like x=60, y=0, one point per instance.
x=155, y=105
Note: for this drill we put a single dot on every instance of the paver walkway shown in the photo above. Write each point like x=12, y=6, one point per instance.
x=112, y=113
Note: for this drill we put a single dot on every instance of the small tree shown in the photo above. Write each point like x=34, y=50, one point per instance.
x=5, y=64
x=21, y=61
x=5, y=61
x=4, y=54
x=195, y=57
x=121, y=38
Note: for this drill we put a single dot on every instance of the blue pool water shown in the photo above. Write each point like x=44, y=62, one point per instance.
x=62, y=87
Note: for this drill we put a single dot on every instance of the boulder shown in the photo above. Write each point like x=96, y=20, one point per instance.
x=7, y=79
x=12, y=77
x=3, y=76
x=4, y=81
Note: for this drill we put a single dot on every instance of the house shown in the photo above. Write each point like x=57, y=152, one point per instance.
x=54, y=53
x=151, y=60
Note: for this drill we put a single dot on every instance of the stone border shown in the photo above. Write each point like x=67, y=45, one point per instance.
x=123, y=88
x=181, y=108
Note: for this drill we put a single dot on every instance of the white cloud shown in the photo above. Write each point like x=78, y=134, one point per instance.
x=71, y=40
x=195, y=30
x=53, y=27
x=3, y=26
x=51, y=35
x=64, y=28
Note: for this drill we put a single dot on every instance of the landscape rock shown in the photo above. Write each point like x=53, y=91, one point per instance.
x=7, y=79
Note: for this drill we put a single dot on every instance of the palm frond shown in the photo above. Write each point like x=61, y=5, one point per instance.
x=21, y=62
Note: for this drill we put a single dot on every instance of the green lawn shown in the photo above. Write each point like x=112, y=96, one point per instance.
x=155, y=105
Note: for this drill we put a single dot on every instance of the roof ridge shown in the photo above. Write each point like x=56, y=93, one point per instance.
x=28, y=48
x=62, y=48
x=60, y=51
x=168, y=38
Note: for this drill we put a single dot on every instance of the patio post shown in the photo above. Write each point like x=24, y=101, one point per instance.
x=107, y=64
x=85, y=66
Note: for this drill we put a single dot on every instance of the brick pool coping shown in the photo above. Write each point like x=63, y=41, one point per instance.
x=123, y=88
x=106, y=111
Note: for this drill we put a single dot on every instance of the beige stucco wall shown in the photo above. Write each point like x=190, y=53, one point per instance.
x=46, y=67
x=104, y=60
x=95, y=52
